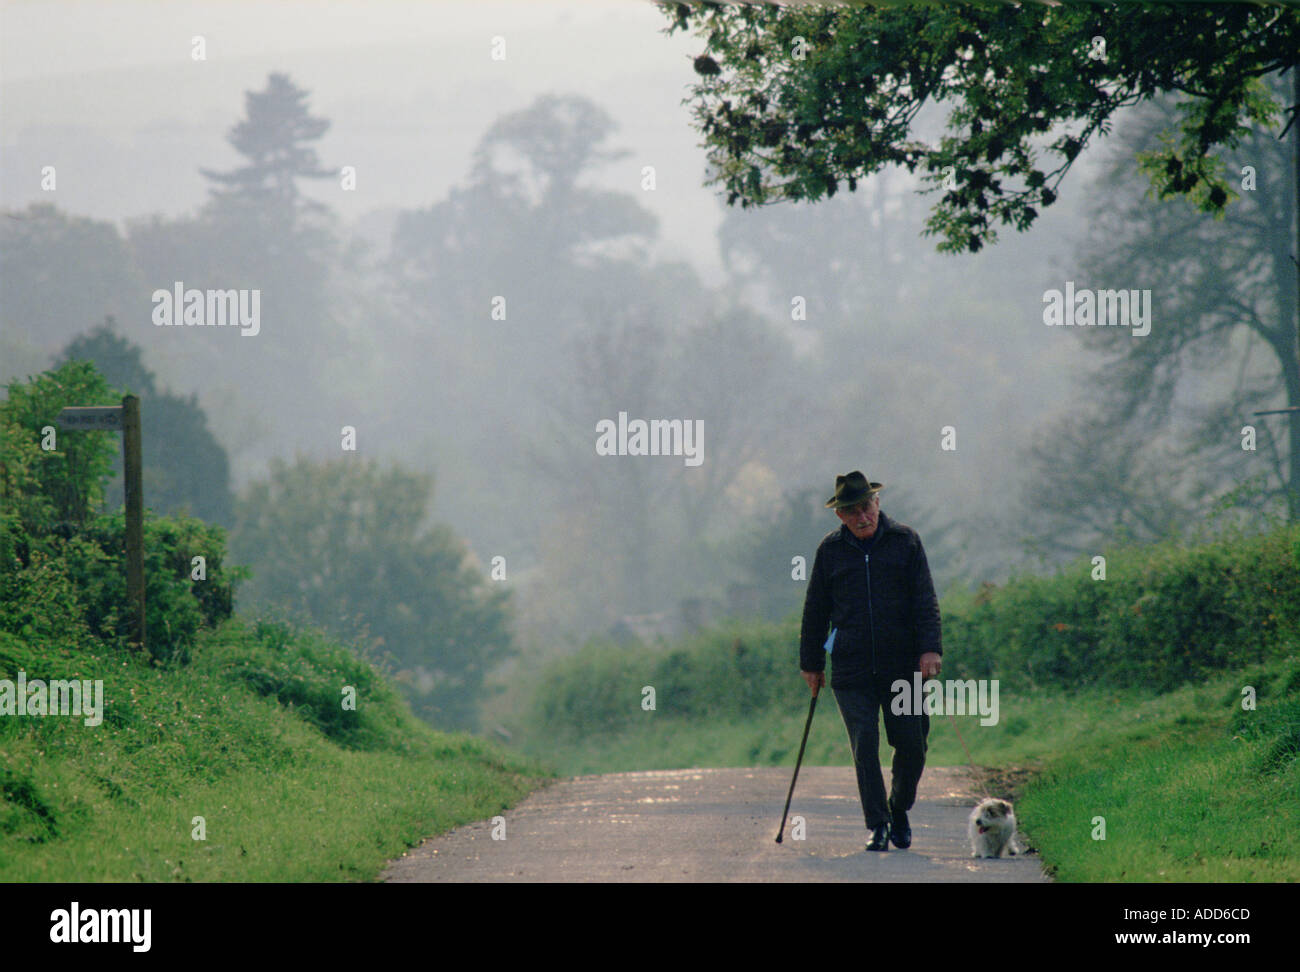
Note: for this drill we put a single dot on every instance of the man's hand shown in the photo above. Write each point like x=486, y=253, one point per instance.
x=931, y=662
x=815, y=680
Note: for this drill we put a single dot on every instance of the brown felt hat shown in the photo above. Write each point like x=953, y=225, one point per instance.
x=852, y=489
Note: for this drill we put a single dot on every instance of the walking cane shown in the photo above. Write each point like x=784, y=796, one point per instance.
x=812, y=706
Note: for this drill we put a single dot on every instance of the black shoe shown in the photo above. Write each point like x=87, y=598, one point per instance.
x=900, y=831
x=879, y=838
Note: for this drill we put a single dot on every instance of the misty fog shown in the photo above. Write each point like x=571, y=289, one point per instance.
x=500, y=254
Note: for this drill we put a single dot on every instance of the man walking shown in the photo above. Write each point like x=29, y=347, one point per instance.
x=871, y=585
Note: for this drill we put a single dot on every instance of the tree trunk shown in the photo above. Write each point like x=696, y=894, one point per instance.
x=1293, y=366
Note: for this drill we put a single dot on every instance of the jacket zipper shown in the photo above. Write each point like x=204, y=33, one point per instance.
x=871, y=620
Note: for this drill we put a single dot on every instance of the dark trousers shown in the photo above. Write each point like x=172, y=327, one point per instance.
x=906, y=733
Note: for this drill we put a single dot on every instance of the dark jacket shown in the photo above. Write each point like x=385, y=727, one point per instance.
x=878, y=598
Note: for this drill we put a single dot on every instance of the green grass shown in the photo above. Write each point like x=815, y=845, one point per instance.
x=252, y=738
x=1192, y=788
x=1198, y=791
x=1030, y=728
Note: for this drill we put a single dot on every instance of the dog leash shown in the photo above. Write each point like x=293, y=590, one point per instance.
x=979, y=777
x=1017, y=844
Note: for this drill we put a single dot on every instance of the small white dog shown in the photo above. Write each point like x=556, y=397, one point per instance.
x=992, y=829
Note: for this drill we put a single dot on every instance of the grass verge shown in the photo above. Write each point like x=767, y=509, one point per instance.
x=252, y=738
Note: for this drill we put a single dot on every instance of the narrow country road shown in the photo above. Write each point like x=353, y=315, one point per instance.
x=711, y=825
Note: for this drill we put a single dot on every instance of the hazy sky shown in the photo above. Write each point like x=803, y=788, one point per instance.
x=108, y=90
x=110, y=94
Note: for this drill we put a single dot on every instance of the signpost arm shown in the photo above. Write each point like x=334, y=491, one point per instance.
x=132, y=467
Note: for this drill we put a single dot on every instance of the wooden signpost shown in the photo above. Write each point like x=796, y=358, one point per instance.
x=126, y=419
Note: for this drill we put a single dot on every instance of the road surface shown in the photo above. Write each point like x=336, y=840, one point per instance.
x=711, y=825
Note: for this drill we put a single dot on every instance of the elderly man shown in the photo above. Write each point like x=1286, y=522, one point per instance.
x=871, y=584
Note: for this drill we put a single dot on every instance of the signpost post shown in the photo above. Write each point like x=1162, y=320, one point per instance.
x=1293, y=493
x=126, y=419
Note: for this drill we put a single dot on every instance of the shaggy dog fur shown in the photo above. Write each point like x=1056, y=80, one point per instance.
x=992, y=829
